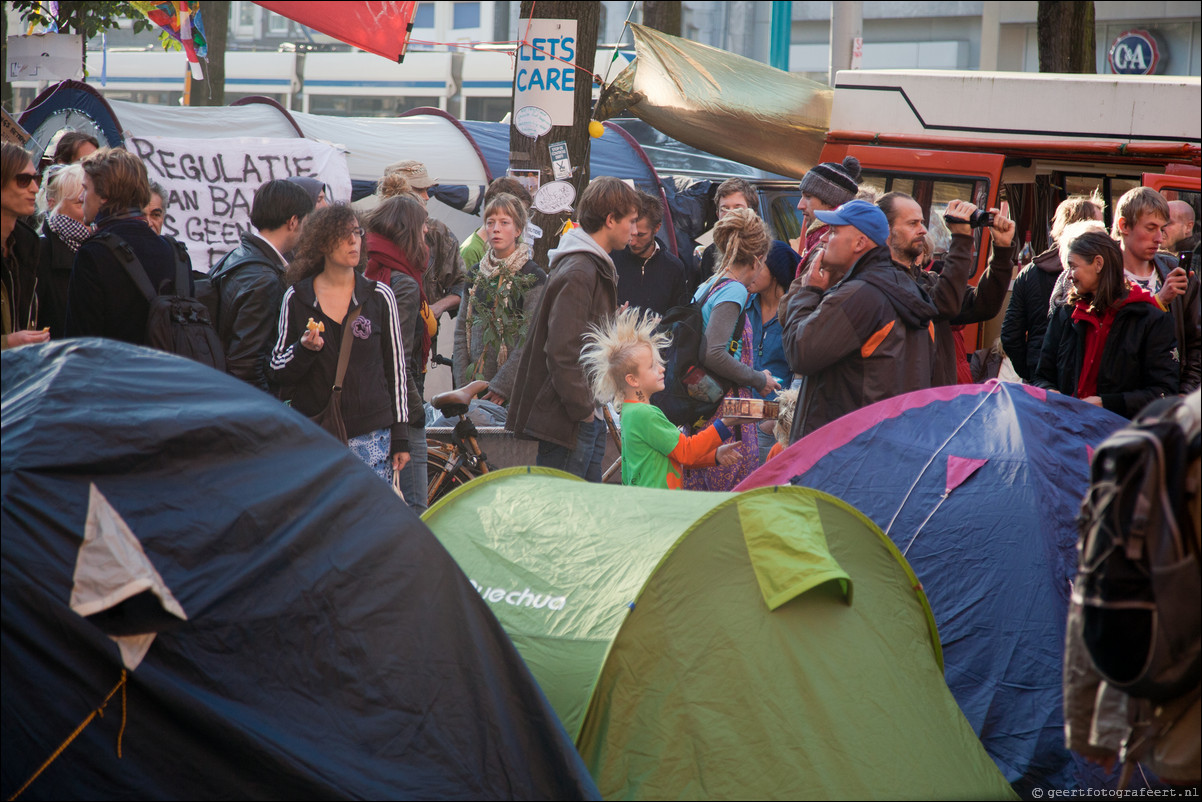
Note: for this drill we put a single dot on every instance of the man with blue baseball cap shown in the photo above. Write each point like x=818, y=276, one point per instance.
x=858, y=329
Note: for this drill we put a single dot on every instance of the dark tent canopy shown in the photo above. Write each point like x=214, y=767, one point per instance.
x=285, y=626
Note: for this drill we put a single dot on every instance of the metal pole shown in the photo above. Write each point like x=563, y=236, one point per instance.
x=782, y=30
x=991, y=32
x=847, y=24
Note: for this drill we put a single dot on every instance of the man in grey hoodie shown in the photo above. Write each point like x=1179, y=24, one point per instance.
x=552, y=402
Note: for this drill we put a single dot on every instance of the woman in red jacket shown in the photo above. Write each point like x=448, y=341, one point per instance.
x=1111, y=344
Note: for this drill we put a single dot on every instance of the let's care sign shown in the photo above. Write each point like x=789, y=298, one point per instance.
x=211, y=183
x=544, y=79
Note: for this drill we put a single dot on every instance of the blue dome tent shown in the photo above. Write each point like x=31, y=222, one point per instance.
x=979, y=486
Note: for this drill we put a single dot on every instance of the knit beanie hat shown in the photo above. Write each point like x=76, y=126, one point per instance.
x=833, y=184
x=782, y=262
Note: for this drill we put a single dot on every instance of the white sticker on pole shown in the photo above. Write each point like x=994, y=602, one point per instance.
x=532, y=121
x=561, y=163
x=210, y=183
x=545, y=75
x=556, y=196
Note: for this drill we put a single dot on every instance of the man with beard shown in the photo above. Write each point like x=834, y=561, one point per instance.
x=957, y=303
x=648, y=276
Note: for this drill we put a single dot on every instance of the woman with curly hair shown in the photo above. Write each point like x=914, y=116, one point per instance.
x=503, y=291
x=326, y=302
x=396, y=252
x=1111, y=344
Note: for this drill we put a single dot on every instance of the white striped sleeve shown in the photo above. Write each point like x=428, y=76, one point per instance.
x=281, y=355
x=400, y=389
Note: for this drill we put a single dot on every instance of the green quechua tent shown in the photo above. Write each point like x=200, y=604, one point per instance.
x=764, y=645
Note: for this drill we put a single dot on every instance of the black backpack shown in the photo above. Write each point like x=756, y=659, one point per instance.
x=178, y=324
x=208, y=285
x=691, y=394
x=1138, y=580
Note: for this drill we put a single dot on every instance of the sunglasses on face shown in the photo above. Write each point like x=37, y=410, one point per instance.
x=23, y=180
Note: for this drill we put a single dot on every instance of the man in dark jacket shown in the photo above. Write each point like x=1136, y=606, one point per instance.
x=1140, y=218
x=102, y=299
x=249, y=280
x=858, y=329
x=552, y=402
x=1027, y=316
x=957, y=302
x=648, y=276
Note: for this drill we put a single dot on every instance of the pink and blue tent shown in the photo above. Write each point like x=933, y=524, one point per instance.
x=979, y=486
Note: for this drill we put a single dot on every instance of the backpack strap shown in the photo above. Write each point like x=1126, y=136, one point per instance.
x=125, y=255
x=183, y=268
x=735, y=335
x=717, y=285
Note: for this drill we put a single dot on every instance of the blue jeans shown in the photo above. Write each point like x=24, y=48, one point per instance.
x=583, y=461
x=413, y=476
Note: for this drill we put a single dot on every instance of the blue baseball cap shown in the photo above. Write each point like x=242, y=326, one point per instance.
x=865, y=216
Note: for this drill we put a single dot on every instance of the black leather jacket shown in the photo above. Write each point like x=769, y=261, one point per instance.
x=249, y=282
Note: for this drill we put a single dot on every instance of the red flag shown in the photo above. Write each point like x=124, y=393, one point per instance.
x=381, y=27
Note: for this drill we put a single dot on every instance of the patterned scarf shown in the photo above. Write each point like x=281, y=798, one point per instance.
x=69, y=230
x=490, y=265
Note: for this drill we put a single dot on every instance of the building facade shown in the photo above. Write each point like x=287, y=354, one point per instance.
x=268, y=54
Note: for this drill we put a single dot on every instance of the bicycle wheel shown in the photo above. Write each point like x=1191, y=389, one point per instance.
x=443, y=476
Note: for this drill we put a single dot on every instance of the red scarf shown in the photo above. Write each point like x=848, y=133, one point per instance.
x=383, y=257
x=811, y=241
x=1097, y=331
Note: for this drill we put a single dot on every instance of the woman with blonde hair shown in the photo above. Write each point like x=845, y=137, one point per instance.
x=743, y=243
x=63, y=231
x=1110, y=344
x=327, y=303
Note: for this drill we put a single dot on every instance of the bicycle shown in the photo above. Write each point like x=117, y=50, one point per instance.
x=452, y=464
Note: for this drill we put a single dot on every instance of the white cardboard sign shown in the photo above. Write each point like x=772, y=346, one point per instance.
x=44, y=57
x=543, y=77
x=556, y=196
x=210, y=183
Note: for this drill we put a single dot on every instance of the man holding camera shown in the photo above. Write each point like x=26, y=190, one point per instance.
x=958, y=304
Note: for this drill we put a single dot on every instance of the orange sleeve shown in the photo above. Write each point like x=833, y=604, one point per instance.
x=698, y=451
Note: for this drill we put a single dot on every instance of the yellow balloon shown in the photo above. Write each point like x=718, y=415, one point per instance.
x=595, y=129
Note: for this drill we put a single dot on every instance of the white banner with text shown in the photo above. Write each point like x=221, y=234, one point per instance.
x=211, y=183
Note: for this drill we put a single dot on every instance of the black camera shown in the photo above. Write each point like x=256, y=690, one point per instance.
x=978, y=219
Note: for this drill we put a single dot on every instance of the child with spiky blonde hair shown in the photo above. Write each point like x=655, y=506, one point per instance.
x=624, y=366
